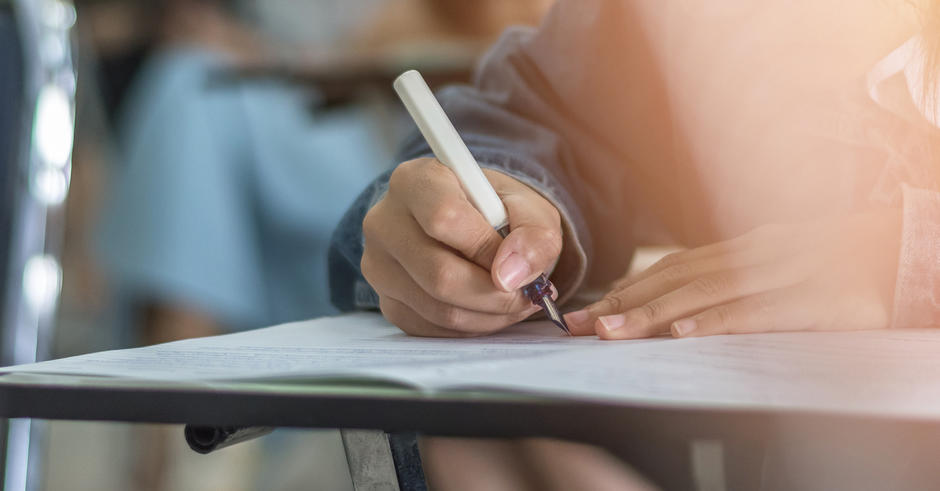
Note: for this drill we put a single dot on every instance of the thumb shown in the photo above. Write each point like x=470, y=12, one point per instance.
x=534, y=241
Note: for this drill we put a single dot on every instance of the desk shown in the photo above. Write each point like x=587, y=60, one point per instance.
x=627, y=430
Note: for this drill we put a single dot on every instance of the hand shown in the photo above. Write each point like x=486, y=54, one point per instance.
x=439, y=268
x=827, y=274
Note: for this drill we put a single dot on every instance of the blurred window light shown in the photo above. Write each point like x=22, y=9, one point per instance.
x=42, y=281
x=58, y=15
x=53, y=49
x=53, y=128
x=49, y=186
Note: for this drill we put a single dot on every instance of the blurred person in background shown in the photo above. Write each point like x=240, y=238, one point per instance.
x=226, y=186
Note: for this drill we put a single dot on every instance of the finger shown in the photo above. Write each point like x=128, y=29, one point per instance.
x=437, y=319
x=656, y=285
x=390, y=278
x=410, y=322
x=432, y=195
x=439, y=271
x=654, y=317
x=675, y=258
x=534, y=241
x=757, y=244
x=793, y=308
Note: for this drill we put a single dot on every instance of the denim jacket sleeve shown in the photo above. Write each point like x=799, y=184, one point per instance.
x=532, y=113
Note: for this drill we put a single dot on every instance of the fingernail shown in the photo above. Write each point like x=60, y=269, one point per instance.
x=682, y=327
x=513, y=271
x=577, y=317
x=612, y=322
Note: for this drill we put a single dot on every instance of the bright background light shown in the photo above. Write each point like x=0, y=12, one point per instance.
x=58, y=15
x=42, y=281
x=50, y=186
x=53, y=129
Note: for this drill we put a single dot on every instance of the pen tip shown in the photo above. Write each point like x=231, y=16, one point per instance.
x=553, y=315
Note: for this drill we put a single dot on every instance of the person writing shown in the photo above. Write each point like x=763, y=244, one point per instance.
x=788, y=146
x=616, y=120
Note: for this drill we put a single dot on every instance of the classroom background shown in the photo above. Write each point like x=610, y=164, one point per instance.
x=216, y=144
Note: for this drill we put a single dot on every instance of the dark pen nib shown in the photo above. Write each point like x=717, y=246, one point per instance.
x=539, y=292
x=553, y=315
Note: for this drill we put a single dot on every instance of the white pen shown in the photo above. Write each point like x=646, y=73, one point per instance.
x=451, y=151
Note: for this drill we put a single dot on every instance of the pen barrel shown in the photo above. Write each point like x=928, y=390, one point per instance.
x=448, y=147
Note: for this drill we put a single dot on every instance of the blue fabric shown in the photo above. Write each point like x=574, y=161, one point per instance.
x=227, y=192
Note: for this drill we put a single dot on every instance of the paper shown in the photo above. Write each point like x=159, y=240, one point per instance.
x=882, y=373
x=363, y=345
x=893, y=373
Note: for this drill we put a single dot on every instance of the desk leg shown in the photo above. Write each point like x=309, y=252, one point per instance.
x=382, y=462
x=407, y=459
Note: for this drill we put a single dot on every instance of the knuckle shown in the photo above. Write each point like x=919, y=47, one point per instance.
x=443, y=219
x=551, y=241
x=367, y=265
x=764, y=306
x=413, y=175
x=542, y=245
x=442, y=282
x=554, y=213
x=482, y=248
x=652, y=311
x=370, y=223
x=402, y=175
x=450, y=317
x=670, y=259
x=393, y=313
x=612, y=303
x=723, y=315
x=712, y=285
x=514, y=303
x=677, y=272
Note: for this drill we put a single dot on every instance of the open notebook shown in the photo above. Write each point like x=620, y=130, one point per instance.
x=891, y=373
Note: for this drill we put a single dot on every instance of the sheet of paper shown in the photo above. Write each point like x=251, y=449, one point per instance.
x=895, y=373
x=357, y=345
x=888, y=373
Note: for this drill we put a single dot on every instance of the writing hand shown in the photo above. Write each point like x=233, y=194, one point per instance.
x=439, y=268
